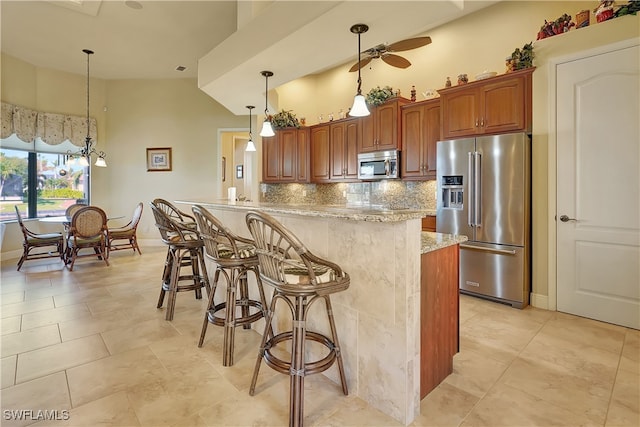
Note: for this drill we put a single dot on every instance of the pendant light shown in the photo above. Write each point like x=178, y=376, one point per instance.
x=84, y=155
x=359, y=108
x=267, y=129
x=250, y=145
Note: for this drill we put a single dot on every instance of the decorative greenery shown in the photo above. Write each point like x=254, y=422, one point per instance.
x=60, y=193
x=521, y=58
x=284, y=119
x=377, y=96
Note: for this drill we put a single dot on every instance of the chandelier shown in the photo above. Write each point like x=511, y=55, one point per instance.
x=84, y=155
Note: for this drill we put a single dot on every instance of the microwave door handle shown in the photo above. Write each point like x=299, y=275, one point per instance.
x=387, y=168
x=477, y=192
x=470, y=187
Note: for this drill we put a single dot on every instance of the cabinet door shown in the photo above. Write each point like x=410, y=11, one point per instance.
x=460, y=113
x=368, y=138
x=412, y=162
x=503, y=106
x=320, y=153
x=303, y=155
x=336, y=151
x=352, y=138
x=386, y=126
x=270, y=162
x=431, y=133
x=288, y=154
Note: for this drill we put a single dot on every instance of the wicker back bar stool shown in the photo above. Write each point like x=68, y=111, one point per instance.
x=234, y=257
x=185, y=249
x=299, y=279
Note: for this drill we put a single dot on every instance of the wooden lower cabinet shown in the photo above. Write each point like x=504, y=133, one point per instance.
x=439, y=316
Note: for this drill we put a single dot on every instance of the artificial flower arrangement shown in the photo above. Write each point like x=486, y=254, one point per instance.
x=377, y=96
x=520, y=58
x=284, y=119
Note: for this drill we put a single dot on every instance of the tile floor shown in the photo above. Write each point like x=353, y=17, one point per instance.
x=91, y=345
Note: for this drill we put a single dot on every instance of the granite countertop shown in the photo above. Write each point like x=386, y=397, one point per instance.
x=353, y=213
x=433, y=241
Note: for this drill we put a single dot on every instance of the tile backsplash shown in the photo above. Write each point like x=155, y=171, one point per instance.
x=389, y=194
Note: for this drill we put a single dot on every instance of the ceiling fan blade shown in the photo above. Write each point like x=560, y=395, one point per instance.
x=395, y=60
x=408, y=44
x=360, y=64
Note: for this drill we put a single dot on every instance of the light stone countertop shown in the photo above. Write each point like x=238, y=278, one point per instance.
x=353, y=213
x=433, y=241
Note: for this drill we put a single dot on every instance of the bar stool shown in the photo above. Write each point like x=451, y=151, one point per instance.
x=185, y=249
x=299, y=279
x=234, y=257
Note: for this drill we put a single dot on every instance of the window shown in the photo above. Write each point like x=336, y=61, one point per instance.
x=39, y=183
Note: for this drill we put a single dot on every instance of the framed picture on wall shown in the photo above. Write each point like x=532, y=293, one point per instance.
x=158, y=159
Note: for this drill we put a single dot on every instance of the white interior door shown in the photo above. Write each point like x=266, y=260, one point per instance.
x=598, y=187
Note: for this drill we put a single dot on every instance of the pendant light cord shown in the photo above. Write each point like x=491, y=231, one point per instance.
x=359, y=67
x=266, y=95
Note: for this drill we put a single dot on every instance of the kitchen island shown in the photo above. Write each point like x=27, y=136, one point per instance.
x=379, y=316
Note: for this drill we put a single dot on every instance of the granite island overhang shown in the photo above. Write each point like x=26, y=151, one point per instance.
x=378, y=317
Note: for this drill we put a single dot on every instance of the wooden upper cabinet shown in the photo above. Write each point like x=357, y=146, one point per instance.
x=285, y=156
x=420, y=134
x=344, y=150
x=381, y=129
x=319, y=139
x=496, y=105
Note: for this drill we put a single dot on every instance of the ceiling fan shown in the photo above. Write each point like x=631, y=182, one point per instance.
x=384, y=50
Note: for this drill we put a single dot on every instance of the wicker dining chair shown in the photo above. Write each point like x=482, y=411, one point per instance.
x=126, y=233
x=33, y=240
x=175, y=214
x=88, y=230
x=299, y=279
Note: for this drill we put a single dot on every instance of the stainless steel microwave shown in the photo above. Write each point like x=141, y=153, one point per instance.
x=378, y=165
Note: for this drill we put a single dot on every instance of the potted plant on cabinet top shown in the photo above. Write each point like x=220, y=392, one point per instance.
x=285, y=119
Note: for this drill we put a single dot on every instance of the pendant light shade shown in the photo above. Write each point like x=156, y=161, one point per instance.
x=267, y=129
x=250, y=145
x=359, y=108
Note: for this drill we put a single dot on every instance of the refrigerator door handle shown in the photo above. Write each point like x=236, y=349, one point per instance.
x=492, y=250
x=470, y=199
x=477, y=190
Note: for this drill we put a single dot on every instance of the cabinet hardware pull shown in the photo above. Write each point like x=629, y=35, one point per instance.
x=476, y=122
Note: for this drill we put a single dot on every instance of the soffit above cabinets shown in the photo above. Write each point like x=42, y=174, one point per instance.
x=297, y=39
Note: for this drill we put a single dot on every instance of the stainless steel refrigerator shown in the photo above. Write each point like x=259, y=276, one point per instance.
x=484, y=192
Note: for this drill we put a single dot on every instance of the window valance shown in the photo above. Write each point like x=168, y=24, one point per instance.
x=51, y=129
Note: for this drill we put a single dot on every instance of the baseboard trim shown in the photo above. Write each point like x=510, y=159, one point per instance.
x=539, y=301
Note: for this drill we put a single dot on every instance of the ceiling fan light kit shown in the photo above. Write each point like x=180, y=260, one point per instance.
x=359, y=107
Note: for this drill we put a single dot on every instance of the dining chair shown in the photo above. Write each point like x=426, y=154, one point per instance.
x=88, y=230
x=175, y=214
x=39, y=240
x=127, y=232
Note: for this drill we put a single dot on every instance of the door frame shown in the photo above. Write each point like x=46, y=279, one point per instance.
x=552, y=177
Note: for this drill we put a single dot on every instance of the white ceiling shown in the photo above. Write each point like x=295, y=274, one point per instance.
x=223, y=43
